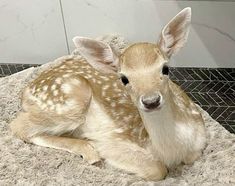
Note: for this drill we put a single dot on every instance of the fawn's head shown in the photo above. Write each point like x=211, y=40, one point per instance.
x=143, y=67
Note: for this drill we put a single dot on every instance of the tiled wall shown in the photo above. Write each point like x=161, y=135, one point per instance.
x=212, y=89
x=38, y=31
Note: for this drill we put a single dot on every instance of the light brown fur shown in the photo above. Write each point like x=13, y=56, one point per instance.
x=82, y=106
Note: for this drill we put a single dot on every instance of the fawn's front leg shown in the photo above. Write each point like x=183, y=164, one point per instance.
x=76, y=146
x=134, y=159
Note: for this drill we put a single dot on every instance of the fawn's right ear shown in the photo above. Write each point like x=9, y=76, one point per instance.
x=97, y=54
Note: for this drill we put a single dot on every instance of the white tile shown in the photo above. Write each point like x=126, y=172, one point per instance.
x=211, y=42
x=135, y=20
x=31, y=31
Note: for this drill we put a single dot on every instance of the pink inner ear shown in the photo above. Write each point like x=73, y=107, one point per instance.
x=175, y=33
x=97, y=53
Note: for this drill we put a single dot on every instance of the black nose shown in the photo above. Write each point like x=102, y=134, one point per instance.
x=151, y=102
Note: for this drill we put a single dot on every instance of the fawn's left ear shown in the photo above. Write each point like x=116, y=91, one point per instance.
x=174, y=35
x=98, y=54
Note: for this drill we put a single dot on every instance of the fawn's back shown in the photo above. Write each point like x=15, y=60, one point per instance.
x=74, y=89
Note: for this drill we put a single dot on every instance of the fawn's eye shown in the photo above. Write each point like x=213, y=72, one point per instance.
x=124, y=79
x=165, y=70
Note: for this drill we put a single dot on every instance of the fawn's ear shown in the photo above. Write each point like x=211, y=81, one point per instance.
x=97, y=54
x=174, y=35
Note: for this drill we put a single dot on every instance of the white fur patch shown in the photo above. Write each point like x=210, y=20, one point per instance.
x=45, y=88
x=58, y=80
x=105, y=87
x=98, y=123
x=40, y=141
x=66, y=75
x=171, y=140
x=50, y=102
x=66, y=88
x=53, y=87
x=70, y=103
x=55, y=92
x=184, y=132
x=33, y=90
x=75, y=82
x=43, y=96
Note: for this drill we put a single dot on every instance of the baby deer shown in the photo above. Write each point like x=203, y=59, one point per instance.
x=121, y=108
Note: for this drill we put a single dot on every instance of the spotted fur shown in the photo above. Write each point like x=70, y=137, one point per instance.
x=81, y=106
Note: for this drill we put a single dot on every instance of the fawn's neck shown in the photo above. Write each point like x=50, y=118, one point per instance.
x=160, y=124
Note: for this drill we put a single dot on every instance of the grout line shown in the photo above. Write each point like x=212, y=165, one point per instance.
x=65, y=31
x=222, y=81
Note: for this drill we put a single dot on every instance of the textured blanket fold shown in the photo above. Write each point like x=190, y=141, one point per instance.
x=27, y=164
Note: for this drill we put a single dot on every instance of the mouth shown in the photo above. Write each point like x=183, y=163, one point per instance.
x=152, y=109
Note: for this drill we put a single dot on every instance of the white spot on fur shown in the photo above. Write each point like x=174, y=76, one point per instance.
x=53, y=87
x=45, y=88
x=33, y=89
x=50, y=102
x=66, y=88
x=105, y=87
x=58, y=80
x=66, y=75
x=107, y=99
x=195, y=112
x=104, y=78
x=119, y=130
x=43, y=97
x=55, y=92
x=43, y=106
x=88, y=76
x=52, y=107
